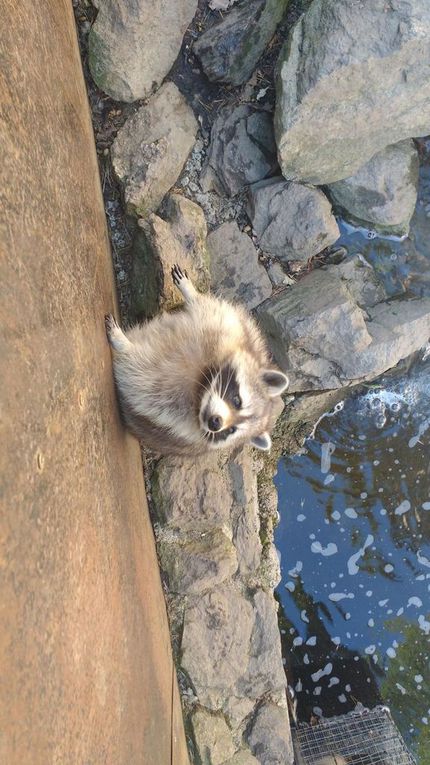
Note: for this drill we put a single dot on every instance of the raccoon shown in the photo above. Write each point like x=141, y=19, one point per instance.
x=196, y=379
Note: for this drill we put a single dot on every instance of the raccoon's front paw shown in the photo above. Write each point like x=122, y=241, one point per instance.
x=115, y=335
x=178, y=275
x=111, y=326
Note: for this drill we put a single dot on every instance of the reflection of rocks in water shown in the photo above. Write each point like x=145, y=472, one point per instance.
x=328, y=678
x=350, y=613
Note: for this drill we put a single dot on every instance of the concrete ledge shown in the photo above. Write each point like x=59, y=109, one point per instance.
x=84, y=649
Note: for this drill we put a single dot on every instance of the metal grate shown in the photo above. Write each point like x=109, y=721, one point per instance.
x=364, y=737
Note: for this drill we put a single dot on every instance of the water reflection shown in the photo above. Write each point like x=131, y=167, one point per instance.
x=354, y=538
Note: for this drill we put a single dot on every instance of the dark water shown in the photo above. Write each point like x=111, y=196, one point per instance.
x=354, y=534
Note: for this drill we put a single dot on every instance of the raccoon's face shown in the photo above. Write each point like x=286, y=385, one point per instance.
x=236, y=402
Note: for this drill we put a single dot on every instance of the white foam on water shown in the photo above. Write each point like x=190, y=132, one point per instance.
x=304, y=616
x=328, y=479
x=301, y=517
x=290, y=586
x=298, y=641
x=331, y=549
x=350, y=512
x=424, y=624
x=327, y=450
x=297, y=569
x=327, y=670
x=421, y=430
x=336, y=596
x=414, y=601
x=423, y=560
x=342, y=698
x=352, y=562
x=370, y=649
x=403, y=507
x=333, y=681
x=312, y=640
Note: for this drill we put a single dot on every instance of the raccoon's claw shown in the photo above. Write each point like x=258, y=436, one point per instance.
x=110, y=325
x=115, y=335
x=178, y=274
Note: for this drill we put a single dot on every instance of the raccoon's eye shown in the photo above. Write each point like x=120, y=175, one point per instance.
x=231, y=430
x=237, y=401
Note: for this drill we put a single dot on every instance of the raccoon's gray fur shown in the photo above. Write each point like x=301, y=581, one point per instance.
x=196, y=379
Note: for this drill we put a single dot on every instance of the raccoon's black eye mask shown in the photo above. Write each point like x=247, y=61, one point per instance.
x=229, y=387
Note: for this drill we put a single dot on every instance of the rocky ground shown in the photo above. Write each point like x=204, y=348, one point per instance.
x=212, y=156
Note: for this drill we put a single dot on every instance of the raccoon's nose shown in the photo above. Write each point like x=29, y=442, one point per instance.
x=215, y=423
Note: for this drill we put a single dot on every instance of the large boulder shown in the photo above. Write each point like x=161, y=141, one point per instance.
x=236, y=273
x=291, y=221
x=383, y=192
x=330, y=330
x=353, y=77
x=134, y=43
x=230, y=49
x=242, y=150
x=151, y=148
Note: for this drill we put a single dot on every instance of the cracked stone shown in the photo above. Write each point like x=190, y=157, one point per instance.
x=291, y=221
x=230, y=49
x=236, y=273
x=242, y=150
x=151, y=148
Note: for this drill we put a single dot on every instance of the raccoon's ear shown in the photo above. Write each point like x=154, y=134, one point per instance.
x=263, y=442
x=275, y=380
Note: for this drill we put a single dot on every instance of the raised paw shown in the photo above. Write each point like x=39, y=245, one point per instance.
x=178, y=275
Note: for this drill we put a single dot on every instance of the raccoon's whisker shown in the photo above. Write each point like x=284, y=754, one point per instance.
x=227, y=383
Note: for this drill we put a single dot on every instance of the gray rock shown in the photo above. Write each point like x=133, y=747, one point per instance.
x=192, y=496
x=230, y=49
x=134, y=43
x=216, y=636
x=213, y=738
x=195, y=565
x=277, y=275
x=242, y=150
x=398, y=329
x=151, y=148
x=236, y=272
x=245, y=516
x=270, y=738
x=156, y=248
x=323, y=338
x=231, y=646
x=353, y=77
x=265, y=671
x=360, y=279
x=383, y=192
x=291, y=221
x=237, y=710
x=188, y=224
x=242, y=758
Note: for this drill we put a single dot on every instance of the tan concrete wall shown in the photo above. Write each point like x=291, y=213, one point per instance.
x=86, y=668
